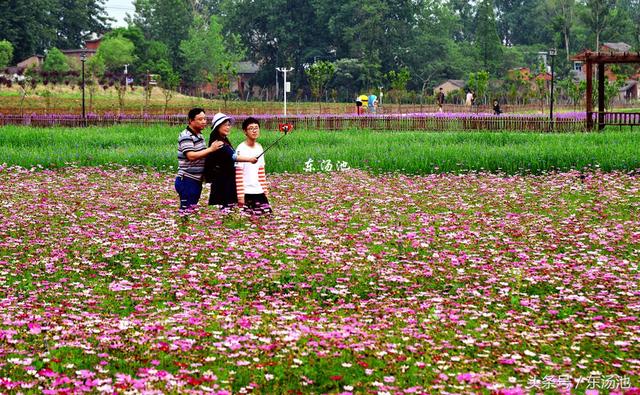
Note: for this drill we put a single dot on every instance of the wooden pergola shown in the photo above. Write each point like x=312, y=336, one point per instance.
x=601, y=59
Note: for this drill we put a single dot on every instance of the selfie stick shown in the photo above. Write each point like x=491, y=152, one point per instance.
x=285, y=128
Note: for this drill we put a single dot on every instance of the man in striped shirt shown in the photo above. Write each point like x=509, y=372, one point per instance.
x=192, y=151
x=251, y=180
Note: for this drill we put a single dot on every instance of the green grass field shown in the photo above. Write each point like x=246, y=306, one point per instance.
x=407, y=152
x=64, y=99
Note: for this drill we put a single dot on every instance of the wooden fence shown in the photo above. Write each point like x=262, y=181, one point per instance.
x=71, y=107
x=622, y=118
x=397, y=122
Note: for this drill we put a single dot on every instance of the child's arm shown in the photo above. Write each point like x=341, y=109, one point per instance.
x=241, y=158
x=240, y=185
x=262, y=177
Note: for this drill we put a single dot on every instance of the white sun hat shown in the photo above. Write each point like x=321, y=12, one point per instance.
x=219, y=119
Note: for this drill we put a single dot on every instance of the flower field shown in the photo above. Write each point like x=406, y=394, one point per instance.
x=358, y=283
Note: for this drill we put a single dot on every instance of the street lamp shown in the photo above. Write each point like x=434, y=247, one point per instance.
x=287, y=88
x=83, y=58
x=552, y=53
x=126, y=82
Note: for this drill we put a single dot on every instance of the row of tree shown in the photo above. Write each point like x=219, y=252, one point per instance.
x=408, y=44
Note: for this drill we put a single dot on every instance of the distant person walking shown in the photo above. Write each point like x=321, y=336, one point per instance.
x=496, y=107
x=191, y=157
x=469, y=99
x=440, y=100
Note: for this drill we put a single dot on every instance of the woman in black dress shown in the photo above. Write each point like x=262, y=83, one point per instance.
x=219, y=166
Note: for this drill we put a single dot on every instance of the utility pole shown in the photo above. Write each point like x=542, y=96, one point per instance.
x=287, y=87
x=83, y=58
x=552, y=53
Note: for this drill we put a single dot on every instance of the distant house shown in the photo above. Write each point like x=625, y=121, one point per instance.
x=449, y=86
x=615, y=47
x=630, y=90
x=245, y=71
x=93, y=44
x=544, y=76
x=90, y=49
x=519, y=72
x=74, y=55
x=31, y=61
x=579, y=70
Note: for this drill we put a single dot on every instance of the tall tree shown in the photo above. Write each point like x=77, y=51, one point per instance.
x=519, y=21
x=6, y=53
x=28, y=25
x=77, y=20
x=167, y=21
x=486, y=37
x=55, y=61
x=36, y=25
x=376, y=30
x=278, y=33
x=205, y=52
x=147, y=53
x=624, y=23
x=319, y=74
x=432, y=53
x=597, y=16
x=634, y=11
x=115, y=52
x=464, y=10
x=561, y=14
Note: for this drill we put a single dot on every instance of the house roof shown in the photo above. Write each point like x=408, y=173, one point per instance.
x=544, y=76
x=628, y=85
x=618, y=47
x=458, y=83
x=74, y=51
x=603, y=57
x=247, y=67
x=32, y=56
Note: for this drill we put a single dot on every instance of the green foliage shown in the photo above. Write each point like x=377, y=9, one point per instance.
x=611, y=91
x=6, y=53
x=398, y=81
x=571, y=90
x=349, y=78
x=319, y=74
x=204, y=51
x=94, y=70
x=225, y=73
x=598, y=16
x=168, y=81
x=487, y=36
x=147, y=53
x=115, y=52
x=166, y=21
x=55, y=61
x=479, y=82
x=34, y=26
x=434, y=40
